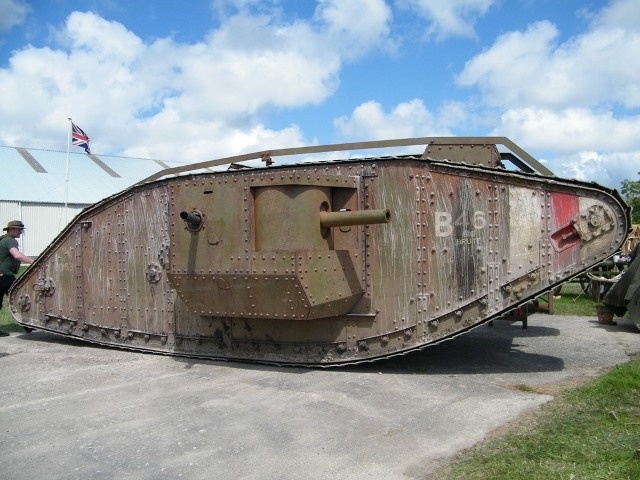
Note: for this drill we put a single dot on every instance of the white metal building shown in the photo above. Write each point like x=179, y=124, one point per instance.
x=46, y=191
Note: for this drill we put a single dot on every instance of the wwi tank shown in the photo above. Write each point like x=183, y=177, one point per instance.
x=320, y=263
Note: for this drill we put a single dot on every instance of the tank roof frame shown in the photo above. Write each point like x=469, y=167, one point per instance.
x=516, y=155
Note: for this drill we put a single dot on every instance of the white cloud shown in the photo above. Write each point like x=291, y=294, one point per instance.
x=532, y=68
x=604, y=168
x=12, y=13
x=368, y=121
x=451, y=115
x=208, y=140
x=235, y=75
x=124, y=91
x=624, y=14
x=578, y=98
x=451, y=18
x=354, y=26
x=196, y=101
x=571, y=129
x=350, y=27
x=587, y=145
x=97, y=79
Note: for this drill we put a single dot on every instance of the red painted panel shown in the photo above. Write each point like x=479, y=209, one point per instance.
x=564, y=207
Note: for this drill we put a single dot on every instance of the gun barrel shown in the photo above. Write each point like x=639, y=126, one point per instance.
x=193, y=219
x=359, y=217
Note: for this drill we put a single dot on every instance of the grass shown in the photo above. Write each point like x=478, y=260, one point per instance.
x=7, y=323
x=571, y=300
x=591, y=432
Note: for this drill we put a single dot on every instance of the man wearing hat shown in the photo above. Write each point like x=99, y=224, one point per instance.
x=10, y=259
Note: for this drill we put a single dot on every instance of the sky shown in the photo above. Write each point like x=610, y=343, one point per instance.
x=204, y=79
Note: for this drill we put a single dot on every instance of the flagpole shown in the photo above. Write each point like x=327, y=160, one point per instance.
x=66, y=187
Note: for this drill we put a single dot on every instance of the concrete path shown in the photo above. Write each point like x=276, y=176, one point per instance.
x=70, y=410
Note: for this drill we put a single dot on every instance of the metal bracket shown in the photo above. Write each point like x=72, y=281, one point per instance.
x=46, y=286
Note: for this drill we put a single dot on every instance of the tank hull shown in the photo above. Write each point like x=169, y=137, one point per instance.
x=261, y=278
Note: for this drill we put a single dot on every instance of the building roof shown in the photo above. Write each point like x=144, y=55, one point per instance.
x=49, y=176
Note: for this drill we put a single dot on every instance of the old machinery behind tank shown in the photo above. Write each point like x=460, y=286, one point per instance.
x=320, y=263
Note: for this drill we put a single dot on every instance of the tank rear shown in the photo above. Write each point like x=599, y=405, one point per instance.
x=317, y=264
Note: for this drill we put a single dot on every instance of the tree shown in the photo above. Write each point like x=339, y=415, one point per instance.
x=631, y=193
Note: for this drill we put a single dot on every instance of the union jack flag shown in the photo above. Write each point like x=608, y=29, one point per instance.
x=79, y=138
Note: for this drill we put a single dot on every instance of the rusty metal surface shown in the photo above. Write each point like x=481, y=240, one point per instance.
x=318, y=264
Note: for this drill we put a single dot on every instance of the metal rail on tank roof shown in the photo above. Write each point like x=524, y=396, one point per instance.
x=521, y=158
